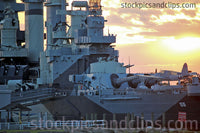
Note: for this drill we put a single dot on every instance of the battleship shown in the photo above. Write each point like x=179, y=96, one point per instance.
x=77, y=73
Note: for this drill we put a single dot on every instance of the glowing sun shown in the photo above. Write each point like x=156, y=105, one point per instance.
x=186, y=44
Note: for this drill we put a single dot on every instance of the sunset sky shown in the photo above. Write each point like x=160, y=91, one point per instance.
x=154, y=38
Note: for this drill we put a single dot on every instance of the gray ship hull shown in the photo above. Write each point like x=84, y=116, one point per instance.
x=90, y=107
x=77, y=107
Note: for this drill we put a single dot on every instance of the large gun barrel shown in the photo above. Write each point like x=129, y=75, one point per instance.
x=116, y=81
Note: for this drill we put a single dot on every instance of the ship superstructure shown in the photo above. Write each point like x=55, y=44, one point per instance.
x=77, y=72
x=75, y=49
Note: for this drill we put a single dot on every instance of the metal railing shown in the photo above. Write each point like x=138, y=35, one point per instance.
x=52, y=124
x=38, y=94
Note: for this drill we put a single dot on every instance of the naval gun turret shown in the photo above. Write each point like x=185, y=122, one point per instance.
x=106, y=74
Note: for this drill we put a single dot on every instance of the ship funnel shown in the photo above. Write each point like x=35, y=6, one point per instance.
x=34, y=29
